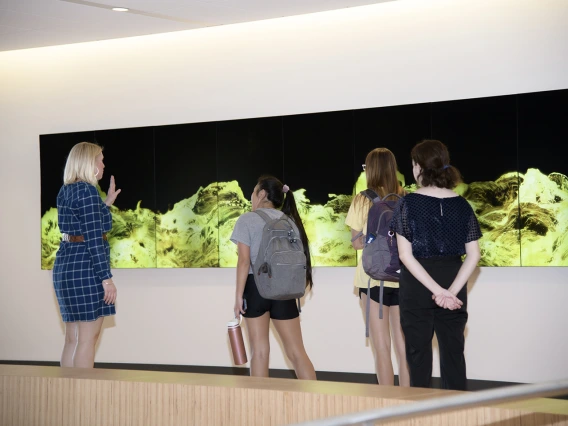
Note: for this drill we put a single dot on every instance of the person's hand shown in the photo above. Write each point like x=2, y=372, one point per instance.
x=446, y=302
x=110, y=292
x=445, y=299
x=361, y=242
x=239, y=309
x=112, y=193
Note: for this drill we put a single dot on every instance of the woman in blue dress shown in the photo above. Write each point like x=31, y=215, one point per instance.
x=81, y=274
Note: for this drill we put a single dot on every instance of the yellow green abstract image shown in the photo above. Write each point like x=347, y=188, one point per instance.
x=523, y=217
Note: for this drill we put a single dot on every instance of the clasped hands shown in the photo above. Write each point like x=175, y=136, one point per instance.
x=446, y=299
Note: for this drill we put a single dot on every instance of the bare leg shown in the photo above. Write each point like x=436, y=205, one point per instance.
x=379, y=331
x=258, y=329
x=70, y=344
x=291, y=335
x=88, y=334
x=399, y=346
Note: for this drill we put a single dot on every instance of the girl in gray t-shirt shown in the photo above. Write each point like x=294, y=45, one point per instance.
x=273, y=198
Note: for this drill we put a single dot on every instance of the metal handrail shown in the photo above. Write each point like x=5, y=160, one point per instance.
x=448, y=403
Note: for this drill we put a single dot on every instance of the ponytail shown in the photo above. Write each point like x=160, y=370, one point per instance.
x=289, y=208
x=283, y=198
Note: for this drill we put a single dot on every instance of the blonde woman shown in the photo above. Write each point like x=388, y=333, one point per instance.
x=81, y=274
x=380, y=170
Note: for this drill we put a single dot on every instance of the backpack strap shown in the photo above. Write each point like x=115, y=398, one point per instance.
x=370, y=194
x=267, y=219
x=357, y=236
x=263, y=215
x=381, y=288
x=392, y=194
x=368, y=308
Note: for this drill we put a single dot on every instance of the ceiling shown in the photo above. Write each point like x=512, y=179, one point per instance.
x=37, y=23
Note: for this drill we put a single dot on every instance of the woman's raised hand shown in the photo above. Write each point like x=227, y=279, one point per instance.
x=112, y=193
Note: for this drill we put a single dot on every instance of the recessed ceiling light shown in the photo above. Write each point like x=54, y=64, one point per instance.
x=120, y=9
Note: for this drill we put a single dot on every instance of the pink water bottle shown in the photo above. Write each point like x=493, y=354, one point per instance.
x=237, y=342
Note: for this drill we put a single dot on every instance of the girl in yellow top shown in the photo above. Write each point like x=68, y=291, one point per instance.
x=380, y=169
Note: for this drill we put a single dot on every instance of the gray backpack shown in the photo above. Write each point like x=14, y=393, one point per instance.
x=280, y=267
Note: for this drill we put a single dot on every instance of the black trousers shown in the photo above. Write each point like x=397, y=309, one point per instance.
x=420, y=318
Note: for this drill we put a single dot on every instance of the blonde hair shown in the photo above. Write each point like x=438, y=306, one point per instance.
x=81, y=163
x=380, y=171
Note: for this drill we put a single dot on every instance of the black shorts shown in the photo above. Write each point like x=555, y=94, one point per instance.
x=390, y=295
x=258, y=305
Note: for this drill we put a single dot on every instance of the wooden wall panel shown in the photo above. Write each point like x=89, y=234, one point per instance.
x=72, y=398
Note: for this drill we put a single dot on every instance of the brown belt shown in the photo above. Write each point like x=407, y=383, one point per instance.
x=77, y=238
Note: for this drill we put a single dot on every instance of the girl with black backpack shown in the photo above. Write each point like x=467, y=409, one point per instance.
x=381, y=172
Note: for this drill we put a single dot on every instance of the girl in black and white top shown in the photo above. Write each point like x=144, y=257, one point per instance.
x=435, y=227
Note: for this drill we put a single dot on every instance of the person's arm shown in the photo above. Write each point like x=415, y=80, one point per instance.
x=357, y=239
x=414, y=267
x=243, y=265
x=472, y=254
x=443, y=297
x=355, y=219
x=90, y=218
x=470, y=263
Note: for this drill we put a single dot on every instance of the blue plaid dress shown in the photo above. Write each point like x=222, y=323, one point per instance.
x=80, y=268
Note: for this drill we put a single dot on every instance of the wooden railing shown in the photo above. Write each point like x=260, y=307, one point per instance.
x=53, y=396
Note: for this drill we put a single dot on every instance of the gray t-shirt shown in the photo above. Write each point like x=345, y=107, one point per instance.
x=248, y=230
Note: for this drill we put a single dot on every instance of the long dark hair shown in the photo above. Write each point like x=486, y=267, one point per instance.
x=433, y=158
x=380, y=171
x=287, y=204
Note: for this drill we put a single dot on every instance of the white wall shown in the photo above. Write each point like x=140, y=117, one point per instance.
x=406, y=51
